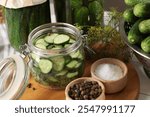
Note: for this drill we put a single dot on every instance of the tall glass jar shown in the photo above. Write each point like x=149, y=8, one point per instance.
x=21, y=21
x=56, y=67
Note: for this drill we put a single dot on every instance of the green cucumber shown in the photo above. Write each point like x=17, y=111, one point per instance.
x=62, y=73
x=45, y=65
x=129, y=16
x=72, y=41
x=142, y=10
x=20, y=22
x=145, y=45
x=41, y=41
x=58, y=63
x=61, y=39
x=51, y=79
x=134, y=2
x=72, y=64
x=144, y=26
x=95, y=12
x=50, y=38
x=134, y=35
x=75, y=54
x=72, y=75
x=81, y=15
x=76, y=4
x=35, y=57
x=57, y=47
x=67, y=45
x=41, y=46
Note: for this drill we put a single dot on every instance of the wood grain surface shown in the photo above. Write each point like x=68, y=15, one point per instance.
x=38, y=92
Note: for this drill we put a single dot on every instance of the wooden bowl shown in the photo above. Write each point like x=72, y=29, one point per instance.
x=111, y=86
x=79, y=80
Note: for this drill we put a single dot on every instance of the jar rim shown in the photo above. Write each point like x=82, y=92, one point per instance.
x=54, y=26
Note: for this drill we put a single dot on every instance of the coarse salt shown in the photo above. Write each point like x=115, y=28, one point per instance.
x=109, y=72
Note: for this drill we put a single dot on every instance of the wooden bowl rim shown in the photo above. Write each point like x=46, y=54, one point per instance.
x=83, y=79
x=120, y=63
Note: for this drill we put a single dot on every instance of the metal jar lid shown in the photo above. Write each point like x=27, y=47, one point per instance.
x=14, y=75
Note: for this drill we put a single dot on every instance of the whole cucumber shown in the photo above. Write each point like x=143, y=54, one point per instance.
x=96, y=12
x=142, y=10
x=134, y=35
x=134, y=2
x=81, y=16
x=145, y=45
x=129, y=16
x=75, y=4
x=144, y=26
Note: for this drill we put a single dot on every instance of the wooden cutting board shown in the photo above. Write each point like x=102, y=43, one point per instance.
x=130, y=92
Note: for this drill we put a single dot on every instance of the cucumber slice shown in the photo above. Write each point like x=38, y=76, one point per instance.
x=58, y=63
x=57, y=47
x=61, y=39
x=75, y=54
x=41, y=46
x=72, y=41
x=67, y=59
x=67, y=45
x=78, y=65
x=72, y=64
x=80, y=57
x=45, y=65
x=72, y=75
x=62, y=73
x=50, y=38
x=35, y=57
x=52, y=79
x=42, y=42
x=50, y=46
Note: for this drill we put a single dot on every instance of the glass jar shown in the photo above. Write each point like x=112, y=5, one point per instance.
x=56, y=67
x=21, y=21
x=14, y=75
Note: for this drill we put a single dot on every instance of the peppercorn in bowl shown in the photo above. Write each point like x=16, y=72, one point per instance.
x=111, y=72
x=85, y=88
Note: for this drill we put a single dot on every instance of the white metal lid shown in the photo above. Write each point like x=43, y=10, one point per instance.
x=13, y=77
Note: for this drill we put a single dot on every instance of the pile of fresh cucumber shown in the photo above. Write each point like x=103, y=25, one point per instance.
x=57, y=71
x=138, y=15
x=87, y=12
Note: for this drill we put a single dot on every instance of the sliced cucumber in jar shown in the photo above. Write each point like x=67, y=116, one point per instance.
x=58, y=63
x=75, y=54
x=71, y=41
x=45, y=65
x=72, y=75
x=42, y=42
x=52, y=79
x=57, y=47
x=50, y=38
x=61, y=39
x=67, y=45
x=41, y=46
x=72, y=64
x=62, y=73
x=35, y=57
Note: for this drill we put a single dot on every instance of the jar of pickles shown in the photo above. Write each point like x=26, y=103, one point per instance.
x=57, y=55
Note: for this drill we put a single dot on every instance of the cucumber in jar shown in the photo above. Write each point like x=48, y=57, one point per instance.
x=20, y=22
x=58, y=70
